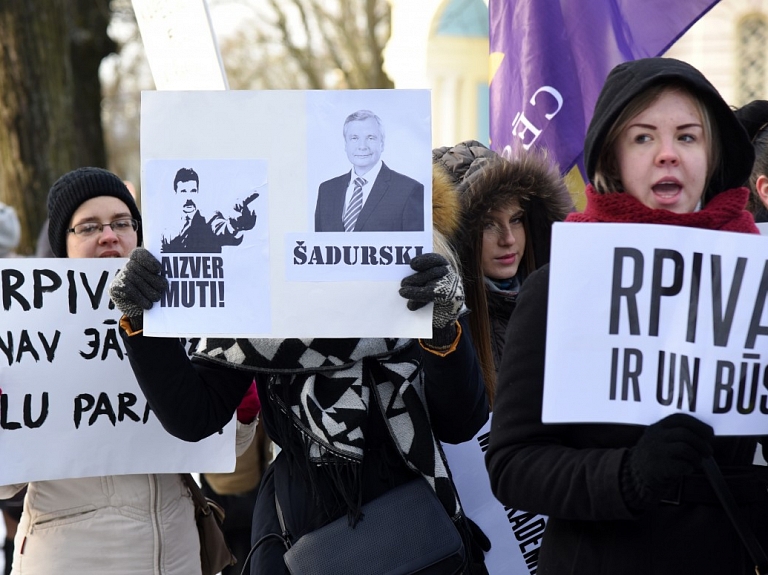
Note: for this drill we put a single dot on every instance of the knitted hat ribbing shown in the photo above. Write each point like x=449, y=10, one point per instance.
x=76, y=187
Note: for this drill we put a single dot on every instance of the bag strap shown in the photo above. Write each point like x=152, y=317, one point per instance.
x=280, y=519
x=197, y=495
x=284, y=537
x=716, y=479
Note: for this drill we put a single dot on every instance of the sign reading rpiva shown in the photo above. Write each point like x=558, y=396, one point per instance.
x=677, y=322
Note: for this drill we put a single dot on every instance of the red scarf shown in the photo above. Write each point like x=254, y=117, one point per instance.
x=723, y=212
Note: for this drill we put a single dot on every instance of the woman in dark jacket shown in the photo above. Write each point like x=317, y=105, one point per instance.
x=353, y=418
x=662, y=147
x=507, y=207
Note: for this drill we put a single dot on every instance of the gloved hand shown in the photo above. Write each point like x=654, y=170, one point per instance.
x=667, y=450
x=250, y=405
x=435, y=281
x=138, y=286
x=479, y=545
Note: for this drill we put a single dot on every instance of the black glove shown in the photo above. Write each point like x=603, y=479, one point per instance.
x=667, y=450
x=478, y=547
x=435, y=281
x=138, y=285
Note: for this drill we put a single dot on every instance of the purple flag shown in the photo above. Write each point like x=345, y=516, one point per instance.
x=552, y=57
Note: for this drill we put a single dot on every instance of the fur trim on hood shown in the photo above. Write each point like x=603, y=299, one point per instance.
x=446, y=209
x=487, y=181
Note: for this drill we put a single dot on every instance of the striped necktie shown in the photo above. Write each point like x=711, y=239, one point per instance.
x=354, y=207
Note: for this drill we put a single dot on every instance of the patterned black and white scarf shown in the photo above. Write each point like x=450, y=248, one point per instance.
x=324, y=387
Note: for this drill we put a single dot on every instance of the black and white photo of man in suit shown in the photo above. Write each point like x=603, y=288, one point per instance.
x=198, y=234
x=371, y=197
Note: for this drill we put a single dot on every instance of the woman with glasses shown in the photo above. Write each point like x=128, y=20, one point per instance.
x=125, y=524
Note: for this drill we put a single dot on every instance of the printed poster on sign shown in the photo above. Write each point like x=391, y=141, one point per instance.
x=213, y=240
x=70, y=404
x=677, y=322
x=286, y=213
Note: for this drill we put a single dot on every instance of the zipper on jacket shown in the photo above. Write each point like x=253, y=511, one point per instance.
x=154, y=510
x=54, y=519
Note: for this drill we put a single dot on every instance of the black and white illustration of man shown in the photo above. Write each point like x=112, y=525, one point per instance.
x=371, y=197
x=198, y=234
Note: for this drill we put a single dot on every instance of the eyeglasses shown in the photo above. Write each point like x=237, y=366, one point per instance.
x=119, y=227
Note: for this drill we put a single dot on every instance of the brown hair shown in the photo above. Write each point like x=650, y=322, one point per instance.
x=493, y=182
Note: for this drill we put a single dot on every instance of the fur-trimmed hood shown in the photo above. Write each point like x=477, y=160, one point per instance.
x=446, y=207
x=486, y=181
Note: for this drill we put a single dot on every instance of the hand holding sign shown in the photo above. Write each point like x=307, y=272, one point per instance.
x=138, y=286
x=669, y=449
x=435, y=281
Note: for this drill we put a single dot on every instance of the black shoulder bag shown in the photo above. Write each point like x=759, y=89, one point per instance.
x=404, y=531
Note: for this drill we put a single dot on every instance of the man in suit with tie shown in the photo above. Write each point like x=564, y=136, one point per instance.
x=205, y=235
x=370, y=197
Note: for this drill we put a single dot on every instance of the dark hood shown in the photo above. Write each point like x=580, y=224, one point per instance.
x=754, y=117
x=627, y=80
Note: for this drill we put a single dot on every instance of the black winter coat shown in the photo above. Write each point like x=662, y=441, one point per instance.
x=500, y=307
x=570, y=472
x=195, y=399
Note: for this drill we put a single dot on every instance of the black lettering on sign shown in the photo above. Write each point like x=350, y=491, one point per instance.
x=755, y=328
x=529, y=531
x=10, y=282
x=688, y=380
x=189, y=294
x=103, y=406
x=110, y=342
x=658, y=290
x=193, y=267
x=26, y=345
x=484, y=441
x=619, y=292
x=693, y=302
x=30, y=422
x=353, y=255
x=41, y=286
x=723, y=320
x=631, y=368
x=752, y=380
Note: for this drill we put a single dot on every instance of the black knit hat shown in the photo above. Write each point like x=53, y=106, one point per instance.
x=629, y=79
x=73, y=189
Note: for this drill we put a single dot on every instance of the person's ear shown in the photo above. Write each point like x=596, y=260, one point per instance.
x=761, y=186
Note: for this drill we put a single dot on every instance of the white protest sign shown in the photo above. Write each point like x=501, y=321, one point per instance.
x=180, y=44
x=70, y=404
x=243, y=194
x=647, y=320
x=515, y=535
